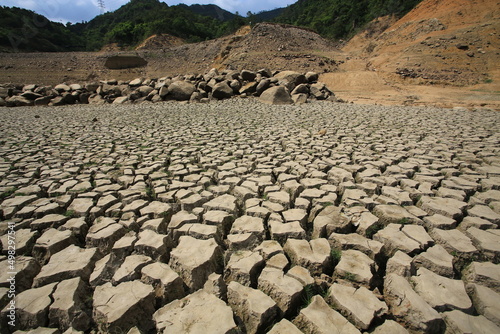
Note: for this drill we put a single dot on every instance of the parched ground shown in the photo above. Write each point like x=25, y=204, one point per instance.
x=388, y=190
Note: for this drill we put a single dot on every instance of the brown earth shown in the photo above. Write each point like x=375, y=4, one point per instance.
x=444, y=53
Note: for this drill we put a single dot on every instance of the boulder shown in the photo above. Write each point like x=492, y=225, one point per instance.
x=199, y=312
x=290, y=79
x=18, y=101
x=181, y=90
x=121, y=307
x=222, y=91
x=247, y=75
x=276, y=95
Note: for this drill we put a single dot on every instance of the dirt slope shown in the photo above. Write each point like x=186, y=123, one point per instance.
x=442, y=51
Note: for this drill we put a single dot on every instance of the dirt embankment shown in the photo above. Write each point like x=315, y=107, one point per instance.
x=442, y=53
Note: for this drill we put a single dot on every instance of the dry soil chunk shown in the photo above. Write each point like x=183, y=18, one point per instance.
x=355, y=266
x=257, y=310
x=407, y=306
x=244, y=267
x=123, y=306
x=199, y=313
x=313, y=255
x=32, y=307
x=443, y=294
x=360, y=305
x=437, y=260
x=320, y=318
x=71, y=308
x=458, y=322
x=284, y=290
x=194, y=260
x=71, y=262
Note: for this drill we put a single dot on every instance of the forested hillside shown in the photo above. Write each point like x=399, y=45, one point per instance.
x=22, y=29
x=139, y=19
x=341, y=18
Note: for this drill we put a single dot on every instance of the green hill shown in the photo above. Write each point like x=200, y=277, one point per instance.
x=24, y=30
x=213, y=11
x=139, y=19
x=341, y=18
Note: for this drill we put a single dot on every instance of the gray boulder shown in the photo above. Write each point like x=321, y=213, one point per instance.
x=181, y=90
x=222, y=91
x=276, y=95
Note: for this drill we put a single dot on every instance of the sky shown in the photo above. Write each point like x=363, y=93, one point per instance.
x=84, y=10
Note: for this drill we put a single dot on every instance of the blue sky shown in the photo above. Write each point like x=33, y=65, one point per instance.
x=84, y=10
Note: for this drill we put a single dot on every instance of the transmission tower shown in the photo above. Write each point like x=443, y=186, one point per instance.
x=101, y=5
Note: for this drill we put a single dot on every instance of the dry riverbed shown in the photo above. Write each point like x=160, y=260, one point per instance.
x=236, y=216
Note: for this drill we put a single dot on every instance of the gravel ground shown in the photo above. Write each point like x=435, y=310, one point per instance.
x=234, y=189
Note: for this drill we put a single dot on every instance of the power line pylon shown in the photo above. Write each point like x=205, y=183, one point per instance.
x=101, y=5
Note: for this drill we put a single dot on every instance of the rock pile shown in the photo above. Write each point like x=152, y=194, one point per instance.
x=284, y=87
x=240, y=217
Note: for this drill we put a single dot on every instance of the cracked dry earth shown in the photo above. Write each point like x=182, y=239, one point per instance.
x=239, y=217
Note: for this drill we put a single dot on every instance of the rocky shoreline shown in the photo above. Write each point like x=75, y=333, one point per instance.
x=241, y=217
x=285, y=87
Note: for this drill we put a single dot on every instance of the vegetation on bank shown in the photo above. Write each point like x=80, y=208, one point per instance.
x=338, y=19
